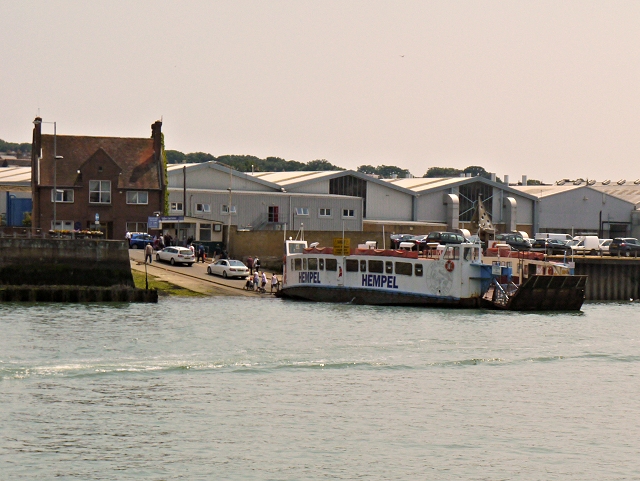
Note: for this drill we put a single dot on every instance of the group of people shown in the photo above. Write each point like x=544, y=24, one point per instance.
x=259, y=282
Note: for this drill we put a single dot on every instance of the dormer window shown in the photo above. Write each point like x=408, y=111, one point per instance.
x=100, y=192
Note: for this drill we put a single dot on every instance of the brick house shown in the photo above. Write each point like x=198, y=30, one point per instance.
x=119, y=181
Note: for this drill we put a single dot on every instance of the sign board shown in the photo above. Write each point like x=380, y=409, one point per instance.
x=496, y=269
x=172, y=218
x=341, y=247
x=97, y=218
x=153, y=222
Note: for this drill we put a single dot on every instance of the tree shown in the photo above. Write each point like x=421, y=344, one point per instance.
x=367, y=169
x=175, y=156
x=442, y=172
x=199, y=157
x=320, y=164
x=20, y=149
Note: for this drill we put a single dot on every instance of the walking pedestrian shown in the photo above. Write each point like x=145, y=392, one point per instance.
x=264, y=281
x=274, y=282
x=148, y=253
x=256, y=263
x=250, y=264
x=256, y=280
x=200, y=253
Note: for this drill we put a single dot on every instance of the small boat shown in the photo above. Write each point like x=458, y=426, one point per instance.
x=454, y=275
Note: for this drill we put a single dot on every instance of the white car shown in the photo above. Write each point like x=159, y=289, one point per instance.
x=176, y=255
x=228, y=268
x=604, y=246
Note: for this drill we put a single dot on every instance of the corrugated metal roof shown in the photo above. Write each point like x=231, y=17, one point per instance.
x=418, y=184
x=541, y=191
x=15, y=175
x=288, y=178
x=628, y=192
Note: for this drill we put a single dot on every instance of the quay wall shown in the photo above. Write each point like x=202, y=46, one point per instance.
x=610, y=278
x=56, y=262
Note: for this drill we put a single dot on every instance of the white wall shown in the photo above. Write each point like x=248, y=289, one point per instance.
x=580, y=209
x=384, y=203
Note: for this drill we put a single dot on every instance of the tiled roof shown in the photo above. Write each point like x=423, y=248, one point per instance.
x=135, y=157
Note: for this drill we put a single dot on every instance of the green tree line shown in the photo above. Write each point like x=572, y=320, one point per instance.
x=23, y=149
x=249, y=163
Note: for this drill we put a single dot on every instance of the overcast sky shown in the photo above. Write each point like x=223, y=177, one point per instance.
x=546, y=89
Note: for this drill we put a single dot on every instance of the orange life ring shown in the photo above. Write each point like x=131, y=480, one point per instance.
x=449, y=265
x=549, y=271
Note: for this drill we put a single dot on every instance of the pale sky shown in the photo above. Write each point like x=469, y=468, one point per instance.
x=547, y=89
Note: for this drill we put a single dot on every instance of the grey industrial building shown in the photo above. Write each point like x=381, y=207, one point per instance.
x=349, y=200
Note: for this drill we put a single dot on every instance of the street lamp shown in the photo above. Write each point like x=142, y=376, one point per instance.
x=55, y=170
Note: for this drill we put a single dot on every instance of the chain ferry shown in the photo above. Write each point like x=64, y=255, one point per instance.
x=454, y=275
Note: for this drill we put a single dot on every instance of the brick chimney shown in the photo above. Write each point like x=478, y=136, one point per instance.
x=156, y=135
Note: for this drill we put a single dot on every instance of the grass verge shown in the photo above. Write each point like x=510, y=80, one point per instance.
x=164, y=288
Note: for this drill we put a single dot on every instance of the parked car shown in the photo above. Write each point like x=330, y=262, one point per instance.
x=396, y=239
x=140, y=240
x=176, y=255
x=550, y=246
x=516, y=241
x=624, y=246
x=585, y=244
x=228, y=268
x=445, y=238
x=604, y=246
x=548, y=235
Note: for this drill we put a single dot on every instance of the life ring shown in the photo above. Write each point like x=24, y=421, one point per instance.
x=549, y=271
x=449, y=265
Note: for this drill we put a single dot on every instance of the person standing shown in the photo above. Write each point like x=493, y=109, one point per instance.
x=250, y=264
x=200, y=253
x=148, y=253
x=274, y=282
x=264, y=281
x=256, y=280
x=256, y=263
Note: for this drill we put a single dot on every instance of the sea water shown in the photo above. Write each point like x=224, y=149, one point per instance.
x=265, y=389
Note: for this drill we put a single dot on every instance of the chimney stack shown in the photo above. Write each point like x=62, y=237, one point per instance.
x=506, y=179
x=524, y=180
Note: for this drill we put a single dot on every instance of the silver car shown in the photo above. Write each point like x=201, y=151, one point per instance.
x=176, y=255
x=228, y=268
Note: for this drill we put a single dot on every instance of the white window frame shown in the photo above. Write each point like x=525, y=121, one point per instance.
x=61, y=196
x=203, y=208
x=133, y=197
x=324, y=212
x=137, y=227
x=102, y=191
x=348, y=213
x=176, y=207
x=224, y=209
x=62, y=225
x=302, y=211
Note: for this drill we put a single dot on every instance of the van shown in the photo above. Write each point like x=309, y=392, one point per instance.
x=551, y=235
x=585, y=244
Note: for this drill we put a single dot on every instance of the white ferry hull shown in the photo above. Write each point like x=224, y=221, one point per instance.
x=360, y=295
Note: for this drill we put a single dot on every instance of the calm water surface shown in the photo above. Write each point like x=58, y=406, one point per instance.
x=234, y=388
